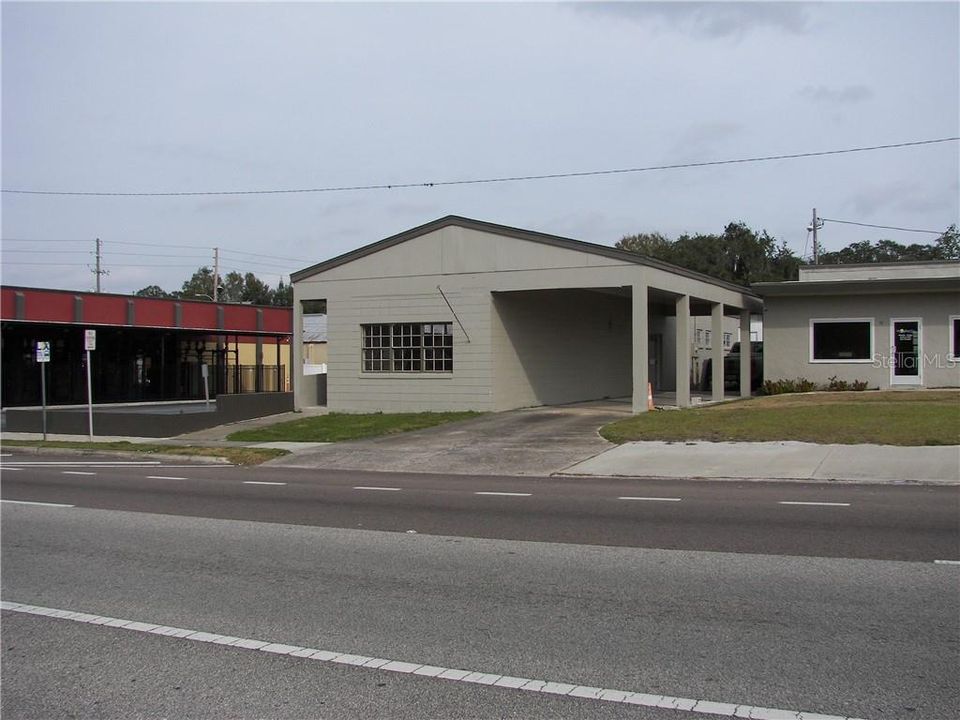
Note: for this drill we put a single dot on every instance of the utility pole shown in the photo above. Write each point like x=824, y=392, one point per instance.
x=97, y=270
x=216, y=271
x=814, y=226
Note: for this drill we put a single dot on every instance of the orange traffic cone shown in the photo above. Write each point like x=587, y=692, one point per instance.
x=649, y=396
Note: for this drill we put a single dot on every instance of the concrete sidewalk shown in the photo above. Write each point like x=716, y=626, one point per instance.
x=776, y=461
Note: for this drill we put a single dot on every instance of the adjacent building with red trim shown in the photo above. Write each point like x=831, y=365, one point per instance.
x=148, y=349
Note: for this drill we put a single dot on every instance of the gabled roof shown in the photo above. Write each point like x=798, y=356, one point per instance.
x=519, y=234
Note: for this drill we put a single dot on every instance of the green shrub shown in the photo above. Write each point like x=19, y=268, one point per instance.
x=802, y=385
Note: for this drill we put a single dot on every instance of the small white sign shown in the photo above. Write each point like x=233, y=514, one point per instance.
x=89, y=339
x=43, y=352
x=204, y=372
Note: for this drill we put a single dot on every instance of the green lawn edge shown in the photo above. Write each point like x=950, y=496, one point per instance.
x=340, y=427
x=234, y=455
x=905, y=418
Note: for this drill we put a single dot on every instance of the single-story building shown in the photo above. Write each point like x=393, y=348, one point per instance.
x=887, y=324
x=460, y=314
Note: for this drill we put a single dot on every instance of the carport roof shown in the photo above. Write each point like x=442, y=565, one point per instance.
x=519, y=234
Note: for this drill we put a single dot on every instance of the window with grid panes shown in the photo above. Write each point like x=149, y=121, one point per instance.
x=408, y=347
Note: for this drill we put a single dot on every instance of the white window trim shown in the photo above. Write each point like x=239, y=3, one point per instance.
x=856, y=361
x=951, y=339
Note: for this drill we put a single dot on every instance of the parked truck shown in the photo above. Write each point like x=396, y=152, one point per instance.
x=731, y=369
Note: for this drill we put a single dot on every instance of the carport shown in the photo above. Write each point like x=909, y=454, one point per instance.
x=463, y=314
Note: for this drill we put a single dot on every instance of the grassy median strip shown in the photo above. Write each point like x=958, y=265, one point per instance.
x=929, y=417
x=235, y=455
x=337, y=427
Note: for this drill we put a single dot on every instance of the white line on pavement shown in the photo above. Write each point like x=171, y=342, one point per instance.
x=652, y=499
x=4, y=467
x=261, y=482
x=946, y=562
x=76, y=472
x=707, y=707
x=503, y=494
x=373, y=487
x=164, y=477
x=43, y=504
x=824, y=504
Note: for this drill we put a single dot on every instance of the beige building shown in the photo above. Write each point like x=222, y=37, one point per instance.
x=888, y=324
x=462, y=314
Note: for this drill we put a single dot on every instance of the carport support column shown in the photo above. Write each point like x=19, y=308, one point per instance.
x=640, y=343
x=746, y=354
x=716, y=350
x=683, y=351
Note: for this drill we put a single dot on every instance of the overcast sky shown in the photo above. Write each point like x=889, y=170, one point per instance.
x=183, y=97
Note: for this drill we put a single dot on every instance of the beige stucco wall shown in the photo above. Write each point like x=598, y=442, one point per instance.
x=559, y=346
x=786, y=329
x=400, y=284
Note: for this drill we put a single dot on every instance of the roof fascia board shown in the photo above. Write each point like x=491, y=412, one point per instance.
x=857, y=287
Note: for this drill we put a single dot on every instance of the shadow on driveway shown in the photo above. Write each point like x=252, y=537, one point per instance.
x=536, y=441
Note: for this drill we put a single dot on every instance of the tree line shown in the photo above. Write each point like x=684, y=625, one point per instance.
x=233, y=287
x=744, y=256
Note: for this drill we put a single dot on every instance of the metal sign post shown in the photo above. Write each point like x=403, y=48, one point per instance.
x=205, y=373
x=89, y=343
x=43, y=357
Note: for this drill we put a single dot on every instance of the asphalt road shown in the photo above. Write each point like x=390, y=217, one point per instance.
x=602, y=599
x=919, y=523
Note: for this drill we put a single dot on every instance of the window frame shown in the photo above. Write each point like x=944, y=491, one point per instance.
x=405, y=349
x=843, y=361
x=952, y=337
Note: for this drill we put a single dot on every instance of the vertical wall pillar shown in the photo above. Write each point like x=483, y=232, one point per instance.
x=641, y=347
x=746, y=354
x=716, y=350
x=682, y=341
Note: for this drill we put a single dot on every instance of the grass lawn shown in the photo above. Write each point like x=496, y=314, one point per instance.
x=238, y=456
x=929, y=417
x=337, y=427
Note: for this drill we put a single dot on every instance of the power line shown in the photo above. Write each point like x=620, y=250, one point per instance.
x=882, y=227
x=515, y=178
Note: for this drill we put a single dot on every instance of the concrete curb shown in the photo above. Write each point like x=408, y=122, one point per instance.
x=806, y=480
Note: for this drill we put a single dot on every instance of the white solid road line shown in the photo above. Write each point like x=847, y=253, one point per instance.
x=652, y=499
x=503, y=494
x=372, y=487
x=42, y=504
x=823, y=504
x=164, y=477
x=261, y=482
x=706, y=707
x=76, y=472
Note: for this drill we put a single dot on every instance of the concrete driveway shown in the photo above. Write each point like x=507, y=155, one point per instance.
x=536, y=441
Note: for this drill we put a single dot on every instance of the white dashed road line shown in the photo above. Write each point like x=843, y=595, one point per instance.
x=706, y=707
x=4, y=467
x=86, y=463
x=76, y=472
x=503, y=494
x=43, y=504
x=822, y=504
x=164, y=477
x=371, y=487
x=261, y=482
x=651, y=499
x=946, y=562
